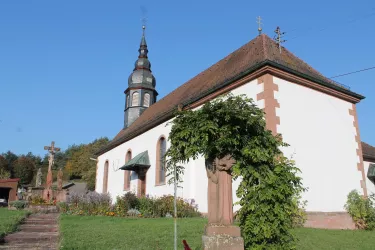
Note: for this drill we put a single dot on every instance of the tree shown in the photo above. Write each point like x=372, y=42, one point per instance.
x=24, y=169
x=36, y=159
x=4, y=173
x=10, y=158
x=236, y=126
x=79, y=164
x=3, y=163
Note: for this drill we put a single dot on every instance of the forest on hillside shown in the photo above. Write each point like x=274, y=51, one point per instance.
x=74, y=161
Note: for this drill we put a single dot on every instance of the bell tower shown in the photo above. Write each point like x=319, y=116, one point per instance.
x=141, y=92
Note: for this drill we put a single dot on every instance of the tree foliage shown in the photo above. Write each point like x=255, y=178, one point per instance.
x=78, y=162
x=4, y=173
x=24, y=169
x=269, y=183
x=10, y=159
x=3, y=163
x=75, y=162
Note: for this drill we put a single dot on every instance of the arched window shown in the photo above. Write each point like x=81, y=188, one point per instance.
x=127, y=101
x=127, y=173
x=135, y=99
x=146, y=100
x=161, y=149
x=105, y=177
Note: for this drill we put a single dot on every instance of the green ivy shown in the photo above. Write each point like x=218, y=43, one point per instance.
x=235, y=125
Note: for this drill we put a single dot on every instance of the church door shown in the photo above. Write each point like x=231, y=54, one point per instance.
x=141, y=183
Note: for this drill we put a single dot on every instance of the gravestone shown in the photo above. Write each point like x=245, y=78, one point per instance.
x=220, y=233
x=59, y=179
x=38, y=181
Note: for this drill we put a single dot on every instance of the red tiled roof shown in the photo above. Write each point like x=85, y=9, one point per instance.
x=9, y=180
x=255, y=54
x=368, y=151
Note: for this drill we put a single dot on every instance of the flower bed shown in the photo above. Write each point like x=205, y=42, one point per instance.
x=127, y=205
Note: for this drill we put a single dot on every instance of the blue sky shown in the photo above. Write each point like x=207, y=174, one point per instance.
x=64, y=64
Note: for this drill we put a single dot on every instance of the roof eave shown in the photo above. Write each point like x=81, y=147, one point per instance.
x=170, y=113
x=369, y=158
x=314, y=79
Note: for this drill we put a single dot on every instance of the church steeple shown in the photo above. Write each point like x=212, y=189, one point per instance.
x=141, y=92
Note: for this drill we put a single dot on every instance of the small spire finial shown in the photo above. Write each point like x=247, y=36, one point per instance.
x=259, y=22
x=278, y=37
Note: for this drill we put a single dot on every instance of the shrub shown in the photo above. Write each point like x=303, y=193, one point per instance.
x=362, y=210
x=126, y=202
x=37, y=200
x=74, y=198
x=19, y=204
x=147, y=206
x=131, y=200
x=91, y=203
x=121, y=206
x=164, y=205
x=299, y=213
x=63, y=207
x=133, y=212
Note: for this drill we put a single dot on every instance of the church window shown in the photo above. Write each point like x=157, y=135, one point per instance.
x=135, y=99
x=105, y=177
x=371, y=173
x=161, y=149
x=127, y=101
x=146, y=100
x=127, y=173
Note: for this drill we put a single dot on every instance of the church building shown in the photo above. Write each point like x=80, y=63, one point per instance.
x=314, y=114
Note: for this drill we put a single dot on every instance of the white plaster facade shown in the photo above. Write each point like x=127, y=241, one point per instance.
x=321, y=135
x=318, y=127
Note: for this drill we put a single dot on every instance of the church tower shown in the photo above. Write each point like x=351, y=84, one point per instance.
x=141, y=92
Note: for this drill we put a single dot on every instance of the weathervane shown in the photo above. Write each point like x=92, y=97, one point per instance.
x=278, y=37
x=144, y=18
x=259, y=22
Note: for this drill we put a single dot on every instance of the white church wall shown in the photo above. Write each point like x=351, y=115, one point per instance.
x=370, y=185
x=321, y=135
x=318, y=127
x=194, y=185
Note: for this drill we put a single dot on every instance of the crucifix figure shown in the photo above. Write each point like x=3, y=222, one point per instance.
x=52, y=150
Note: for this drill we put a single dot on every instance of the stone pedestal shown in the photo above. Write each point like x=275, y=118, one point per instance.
x=220, y=237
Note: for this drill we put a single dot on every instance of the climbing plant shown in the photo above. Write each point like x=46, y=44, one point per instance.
x=269, y=181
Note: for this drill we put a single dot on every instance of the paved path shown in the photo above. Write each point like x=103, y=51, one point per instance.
x=40, y=231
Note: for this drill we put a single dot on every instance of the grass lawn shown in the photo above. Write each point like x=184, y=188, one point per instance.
x=9, y=220
x=90, y=232
x=310, y=238
x=97, y=232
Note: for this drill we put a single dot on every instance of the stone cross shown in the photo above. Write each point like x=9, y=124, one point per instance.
x=52, y=150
